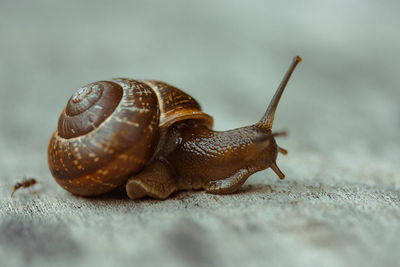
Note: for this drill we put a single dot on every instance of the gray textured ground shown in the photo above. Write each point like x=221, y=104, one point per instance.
x=340, y=202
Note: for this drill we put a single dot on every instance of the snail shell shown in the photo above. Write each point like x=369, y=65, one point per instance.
x=109, y=130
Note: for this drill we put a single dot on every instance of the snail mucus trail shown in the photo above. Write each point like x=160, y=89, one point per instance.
x=155, y=138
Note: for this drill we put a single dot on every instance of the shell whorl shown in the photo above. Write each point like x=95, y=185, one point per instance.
x=94, y=150
x=88, y=108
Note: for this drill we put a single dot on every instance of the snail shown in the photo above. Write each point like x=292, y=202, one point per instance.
x=155, y=139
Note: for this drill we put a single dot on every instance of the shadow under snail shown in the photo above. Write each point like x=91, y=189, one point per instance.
x=155, y=139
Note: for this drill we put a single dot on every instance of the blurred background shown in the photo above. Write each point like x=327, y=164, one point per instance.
x=341, y=109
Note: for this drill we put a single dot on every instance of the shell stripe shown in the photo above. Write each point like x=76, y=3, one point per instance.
x=170, y=101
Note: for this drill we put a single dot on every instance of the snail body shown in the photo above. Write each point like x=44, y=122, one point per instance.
x=155, y=139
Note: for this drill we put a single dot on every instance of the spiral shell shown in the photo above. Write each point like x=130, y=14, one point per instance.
x=109, y=130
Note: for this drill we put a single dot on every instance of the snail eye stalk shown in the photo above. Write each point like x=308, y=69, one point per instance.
x=268, y=119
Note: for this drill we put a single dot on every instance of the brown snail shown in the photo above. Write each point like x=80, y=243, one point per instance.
x=155, y=139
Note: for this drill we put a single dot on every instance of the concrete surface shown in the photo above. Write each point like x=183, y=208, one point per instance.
x=340, y=202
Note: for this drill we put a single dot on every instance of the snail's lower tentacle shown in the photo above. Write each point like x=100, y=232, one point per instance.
x=282, y=150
